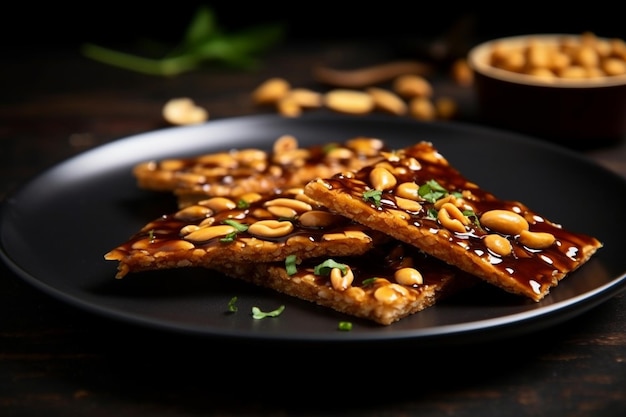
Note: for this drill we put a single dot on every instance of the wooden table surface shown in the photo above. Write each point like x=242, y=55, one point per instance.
x=56, y=360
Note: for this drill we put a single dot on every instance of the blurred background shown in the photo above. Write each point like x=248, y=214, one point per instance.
x=115, y=22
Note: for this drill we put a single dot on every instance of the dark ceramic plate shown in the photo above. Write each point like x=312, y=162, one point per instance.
x=55, y=229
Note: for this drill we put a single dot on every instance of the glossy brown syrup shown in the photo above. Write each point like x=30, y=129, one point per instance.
x=530, y=267
x=166, y=229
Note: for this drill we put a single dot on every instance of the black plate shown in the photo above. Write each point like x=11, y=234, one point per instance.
x=57, y=227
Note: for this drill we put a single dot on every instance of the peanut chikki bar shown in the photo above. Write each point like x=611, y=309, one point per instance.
x=252, y=228
x=238, y=171
x=388, y=283
x=417, y=197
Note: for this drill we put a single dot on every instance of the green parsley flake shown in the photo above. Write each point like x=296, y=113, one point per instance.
x=290, y=264
x=373, y=196
x=432, y=191
x=238, y=226
x=232, y=306
x=369, y=281
x=325, y=267
x=243, y=204
x=345, y=326
x=258, y=314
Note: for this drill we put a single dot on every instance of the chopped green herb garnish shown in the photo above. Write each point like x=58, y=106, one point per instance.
x=369, y=281
x=432, y=191
x=472, y=216
x=431, y=213
x=229, y=237
x=232, y=307
x=239, y=226
x=242, y=204
x=151, y=235
x=329, y=147
x=345, y=326
x=258, y=314
x=325, y=267
x=373, y=196
x=290, y=264
x=239, y=229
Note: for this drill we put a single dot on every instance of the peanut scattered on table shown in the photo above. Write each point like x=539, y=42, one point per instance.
x=409, y=94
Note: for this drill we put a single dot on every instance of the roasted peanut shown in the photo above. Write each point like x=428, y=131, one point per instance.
x=296, y=205
x=184, y=111
x=410, y=85
x=318, y=218
x=387, y=101
x=504, y=221
x=382, y=179
x=305, y=98
x=452, y=218
x=288, y=107
x=583, y=57
x=218, y=204
x=498, y=244
x=536, y=240
x=408, y=204
x=207, y=233
x=349, y=101
x=408, y=276
x=270, y=228
x=271, y=91
x=339, y=281
x=422, y=108
x=409, y=190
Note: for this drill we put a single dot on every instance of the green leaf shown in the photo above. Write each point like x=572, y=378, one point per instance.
x=203, y=25
x=345, y=326
x=290, y=264
x=160, y=67
x=232, y=306
x=240, y=227
x=325, y=267
x=432, y=191
x=373, y=196
x=258, y=314
x=203, y=42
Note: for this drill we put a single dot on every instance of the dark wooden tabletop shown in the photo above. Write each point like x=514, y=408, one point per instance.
x=57, y=360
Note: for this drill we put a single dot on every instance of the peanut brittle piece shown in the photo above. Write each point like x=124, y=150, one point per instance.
x=238, y=171
x=252, y=228
x=388, y=283
x=416, y=196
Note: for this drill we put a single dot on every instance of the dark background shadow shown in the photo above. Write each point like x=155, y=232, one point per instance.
x=114, y=22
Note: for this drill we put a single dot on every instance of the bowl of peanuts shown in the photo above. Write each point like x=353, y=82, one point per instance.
x=570, y=89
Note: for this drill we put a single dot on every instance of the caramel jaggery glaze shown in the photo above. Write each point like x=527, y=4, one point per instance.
x=535, y=270
x=255, y=228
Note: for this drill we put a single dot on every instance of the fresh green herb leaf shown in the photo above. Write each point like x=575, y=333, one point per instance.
x=232, y=306
x=325, y=267
x=151, y=235
x=239, y=229
x=203, y=42
x=431, y=213
x=472, y=216
x=290, y=264
x=329, y=147
x=243, y=204
x=369, y=281
x=373, y=196
x=239, y=226
x=432, y=191
x=345, y=326
x=229, y=237
x=258, y=314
